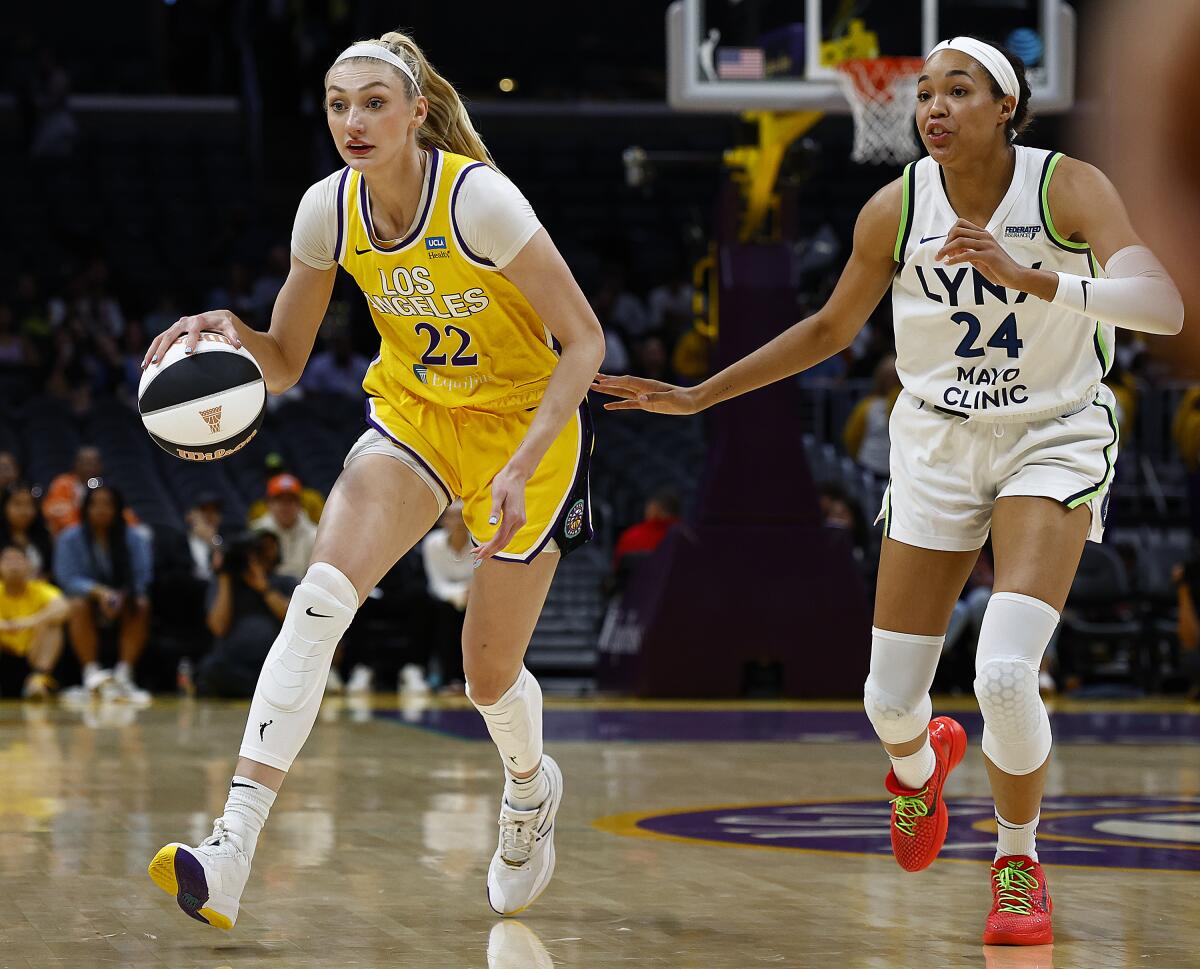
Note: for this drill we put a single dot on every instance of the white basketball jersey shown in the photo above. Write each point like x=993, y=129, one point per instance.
x=967, y=345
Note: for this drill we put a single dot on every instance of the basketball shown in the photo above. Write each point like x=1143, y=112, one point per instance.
x=205, y=405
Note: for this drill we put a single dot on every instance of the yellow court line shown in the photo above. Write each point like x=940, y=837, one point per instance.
x=628, y=825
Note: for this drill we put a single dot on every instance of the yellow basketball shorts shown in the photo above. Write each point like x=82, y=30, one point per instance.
x=457, y=451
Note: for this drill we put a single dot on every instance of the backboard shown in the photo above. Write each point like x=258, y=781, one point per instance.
x=744, y=55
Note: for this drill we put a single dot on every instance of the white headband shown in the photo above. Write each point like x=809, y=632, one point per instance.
x=380, y=53
x=993, y=61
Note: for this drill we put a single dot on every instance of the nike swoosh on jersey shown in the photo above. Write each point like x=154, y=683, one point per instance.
x=316, y=615
x=361, y=252
x=931, y=238
x=1084, y=283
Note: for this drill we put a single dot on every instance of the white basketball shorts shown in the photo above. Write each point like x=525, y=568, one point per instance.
x=947, y=472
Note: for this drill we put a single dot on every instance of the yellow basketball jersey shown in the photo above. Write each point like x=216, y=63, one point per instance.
x=453, y=330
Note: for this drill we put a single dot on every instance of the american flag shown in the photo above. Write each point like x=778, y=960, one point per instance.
x=744, y=63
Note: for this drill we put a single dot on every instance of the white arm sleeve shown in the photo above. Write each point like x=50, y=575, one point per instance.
x=314, y=233
x=495, y=219
x=1137, y=295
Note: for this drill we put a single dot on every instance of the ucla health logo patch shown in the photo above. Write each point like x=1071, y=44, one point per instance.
x=435, y=247
x=1155, y=833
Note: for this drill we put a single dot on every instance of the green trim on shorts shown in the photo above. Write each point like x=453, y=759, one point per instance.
x=1082, y=497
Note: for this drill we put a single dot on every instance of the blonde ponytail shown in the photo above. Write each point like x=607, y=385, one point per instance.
x=448, y=125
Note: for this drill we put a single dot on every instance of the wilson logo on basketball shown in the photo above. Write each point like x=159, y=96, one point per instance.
x=212, y=417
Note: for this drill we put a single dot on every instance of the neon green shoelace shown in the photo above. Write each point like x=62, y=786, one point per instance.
x=1013, y=884
x=909, y=810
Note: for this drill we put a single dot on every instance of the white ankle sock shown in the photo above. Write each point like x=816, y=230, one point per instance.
x=525, y=794
x=123, y=673
x=1017, y=839
x=913, y=770
x=246, y=810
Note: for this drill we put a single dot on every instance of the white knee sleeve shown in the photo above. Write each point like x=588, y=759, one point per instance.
x=515, y=723
x=293, y=676
x=1012, y=639
x=896, y=695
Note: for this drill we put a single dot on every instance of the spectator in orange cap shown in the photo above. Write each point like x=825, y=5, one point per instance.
x=286, y=519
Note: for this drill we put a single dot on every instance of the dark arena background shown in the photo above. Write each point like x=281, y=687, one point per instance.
x=702, y=659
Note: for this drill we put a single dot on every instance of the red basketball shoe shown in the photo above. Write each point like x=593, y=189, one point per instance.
x=919, y=818
x=1021, y=904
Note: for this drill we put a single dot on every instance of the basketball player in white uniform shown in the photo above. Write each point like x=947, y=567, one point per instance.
x=1009, y=269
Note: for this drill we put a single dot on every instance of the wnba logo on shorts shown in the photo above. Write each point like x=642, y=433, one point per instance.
x=574, y=522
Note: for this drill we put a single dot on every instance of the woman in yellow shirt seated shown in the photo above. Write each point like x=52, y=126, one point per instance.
x=32, y=616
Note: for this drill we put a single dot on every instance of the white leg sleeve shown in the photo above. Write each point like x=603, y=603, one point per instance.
x=515, y=723
x=896, y=695
x=293, y=676
x=1012, y=639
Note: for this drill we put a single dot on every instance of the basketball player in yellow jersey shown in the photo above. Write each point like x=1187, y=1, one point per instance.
x=487, y=350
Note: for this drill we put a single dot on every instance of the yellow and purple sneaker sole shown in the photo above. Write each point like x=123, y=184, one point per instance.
x=179, y=873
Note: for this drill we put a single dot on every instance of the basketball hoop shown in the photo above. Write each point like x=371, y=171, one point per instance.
x=882, y=96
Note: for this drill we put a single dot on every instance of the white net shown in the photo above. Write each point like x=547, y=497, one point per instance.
x=882, y=94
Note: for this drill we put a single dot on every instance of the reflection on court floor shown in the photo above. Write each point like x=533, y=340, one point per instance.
x=376, y=851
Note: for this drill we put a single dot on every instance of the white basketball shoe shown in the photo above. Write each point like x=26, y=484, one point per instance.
x=512, y=945
x=207, y=881
x=524, y=860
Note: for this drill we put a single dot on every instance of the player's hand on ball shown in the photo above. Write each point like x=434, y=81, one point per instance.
x=508, y=511
x=968, y=243
x=641, y=393
x=190, y=328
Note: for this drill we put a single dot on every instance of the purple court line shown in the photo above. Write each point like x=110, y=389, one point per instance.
x=797, y=726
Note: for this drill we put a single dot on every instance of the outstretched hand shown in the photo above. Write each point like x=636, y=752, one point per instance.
x=189, y=329
x=641, y=393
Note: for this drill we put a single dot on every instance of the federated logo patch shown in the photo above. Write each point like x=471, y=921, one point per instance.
x=574, y=523
x=1029, y=232
x=422, y=372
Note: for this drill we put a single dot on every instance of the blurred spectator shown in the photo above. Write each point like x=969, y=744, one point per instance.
x=1185, y=430
x=18, y=360
x=32, y=615
x=650, y=359
x=133, y=348
x=962, y=633
x=311, y=499
x=866, y=434
x=89, y=300
x=338, y=369
x=616, y=357
x=55, y=130
x=21, y=525
x=840, y=511
x=10, y=469
x=267, y=286
x=84, y=361
x=690, y=358
x=30, y=310
x=65, y=494
x=204, y=532
x=166, y=311
x=669, y=304
x=617, y=308
x=286, y=519
x=660, y=515
x=1187, y=583
x=106, y=568
x=235, y=294
x=246, y=606
x=449, y=568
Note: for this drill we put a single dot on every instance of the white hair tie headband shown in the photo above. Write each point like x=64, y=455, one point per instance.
x=992, y=59
x=379, y=53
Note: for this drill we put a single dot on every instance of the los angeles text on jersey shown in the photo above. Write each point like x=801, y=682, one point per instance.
x=412, y=292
